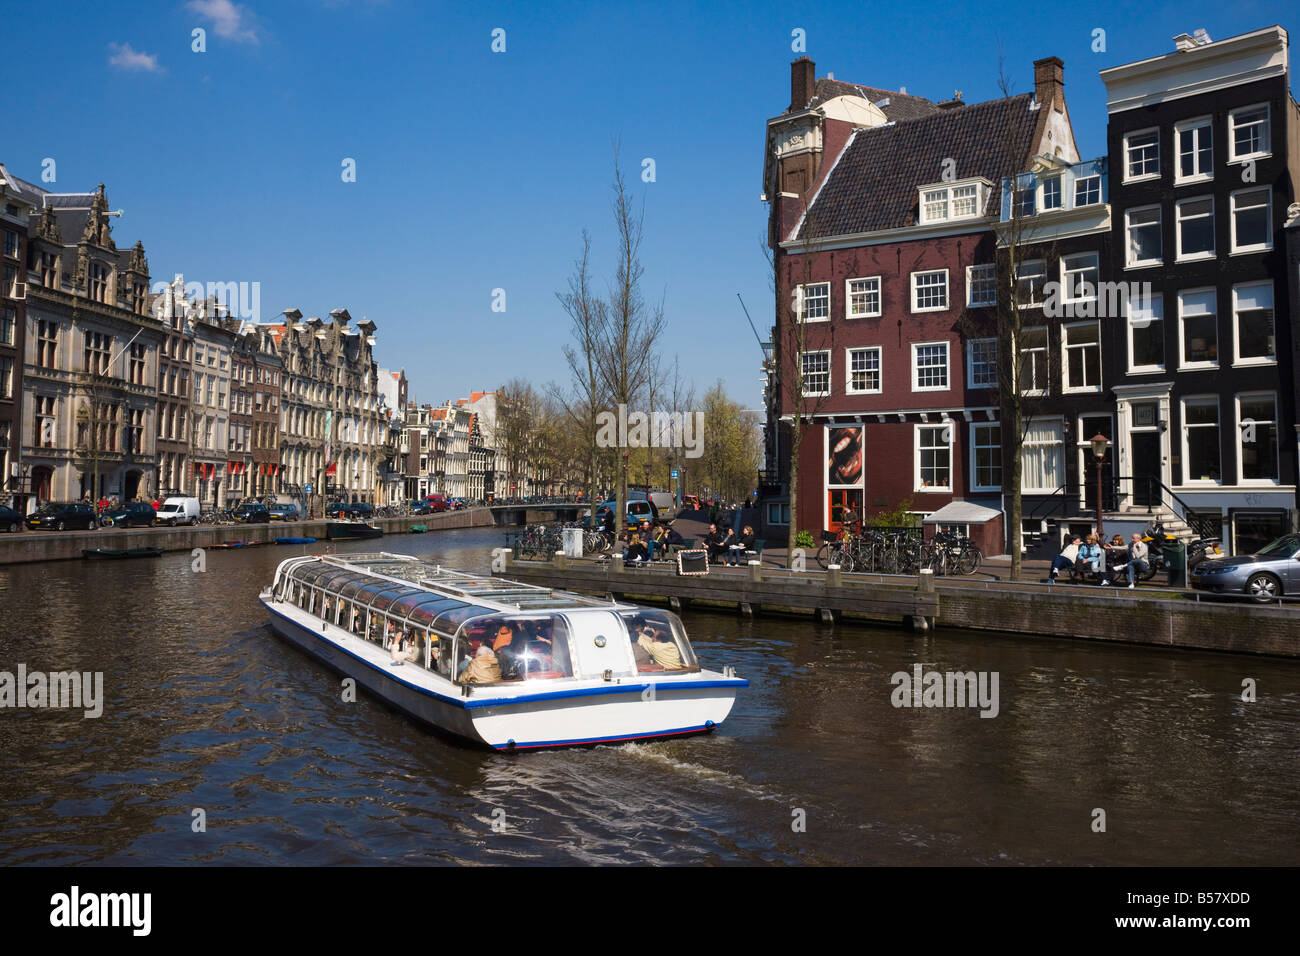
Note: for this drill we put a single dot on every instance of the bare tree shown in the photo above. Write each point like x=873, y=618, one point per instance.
x=626, y=349
x=792, y=340
x=587, y=392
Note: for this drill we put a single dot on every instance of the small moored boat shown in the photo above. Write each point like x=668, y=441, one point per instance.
x=497, y=662
x=295, y=540
x=226, y=545
x=419, y=528
x=121, y=552
x=340, y=530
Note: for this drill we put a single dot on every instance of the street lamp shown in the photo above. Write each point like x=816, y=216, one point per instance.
x=1099, y=444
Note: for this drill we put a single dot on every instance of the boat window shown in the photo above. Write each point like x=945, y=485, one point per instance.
x=388, y=597
x=513, y=648
x=452, y=618
x=658, y=641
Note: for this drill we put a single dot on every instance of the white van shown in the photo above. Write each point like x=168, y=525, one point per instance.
x=665, y=503
x=179, y=511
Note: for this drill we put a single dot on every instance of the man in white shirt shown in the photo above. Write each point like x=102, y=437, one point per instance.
x=1137, y=558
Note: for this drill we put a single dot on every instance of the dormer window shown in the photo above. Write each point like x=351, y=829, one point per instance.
x=98, y=282
x=1051, y=193
x=942, y=202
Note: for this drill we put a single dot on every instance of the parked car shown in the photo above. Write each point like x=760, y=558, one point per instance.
x=437, y=503
x=252, y=513
x=637, y=511
x=10, y=520
x=1267, y=574
x=419, y=507
x=133, y=514
x=62, y=515
x=284, y=511
x=176, y=511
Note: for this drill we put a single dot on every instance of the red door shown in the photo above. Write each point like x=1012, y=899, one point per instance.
x=837, y=501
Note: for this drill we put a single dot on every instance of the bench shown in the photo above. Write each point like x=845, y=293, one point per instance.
x=757, y=550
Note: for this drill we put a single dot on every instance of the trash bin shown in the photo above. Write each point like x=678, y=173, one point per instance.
x=572, y=538
x=1175, y=554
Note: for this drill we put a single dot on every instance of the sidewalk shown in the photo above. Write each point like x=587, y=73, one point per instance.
x=694, y=524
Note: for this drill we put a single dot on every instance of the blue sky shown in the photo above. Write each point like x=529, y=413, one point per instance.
x=478, y=170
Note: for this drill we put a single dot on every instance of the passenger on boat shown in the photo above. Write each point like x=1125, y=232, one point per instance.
x=325, y=608
x=662, y=650
x=482, y=668
x=503, y=646
x=642, y=656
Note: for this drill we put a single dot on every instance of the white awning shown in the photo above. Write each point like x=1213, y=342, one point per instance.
x=962, y=512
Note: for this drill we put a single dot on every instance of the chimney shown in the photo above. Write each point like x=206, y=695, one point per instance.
x=802, y=78
x=953, y=103
x=1049, y=81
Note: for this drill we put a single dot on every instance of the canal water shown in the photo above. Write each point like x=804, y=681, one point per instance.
x=205, y=710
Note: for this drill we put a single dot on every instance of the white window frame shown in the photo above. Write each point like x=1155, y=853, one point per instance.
x=1183, y=363
x=1241, y=478
x=987, y=271
x=1031, y=370
x=1042, y=193
x=970, y=363
x=1185, y=463
x=1158, y=307
x=849, y=313
x=949, y=200
x=1095, y=177
x=1197, y=124
x=1131, y=263
x=1066, y=285
x=1237, y=360
x=1059, y=445
x=1179, y=255
x=1032, y=303
x=947, y=299
x=801, y=301
x=1141, y=177
x=804, y=373
x=848, y=370
x=1233, y=155
x=947, y=367
x=1267, y=244
x=1066, y=347
x=974, y=447
x=917, y=430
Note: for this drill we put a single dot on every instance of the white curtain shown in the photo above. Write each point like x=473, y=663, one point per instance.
x=1042, y=456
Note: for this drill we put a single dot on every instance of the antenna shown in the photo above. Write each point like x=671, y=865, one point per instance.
x=751, y=325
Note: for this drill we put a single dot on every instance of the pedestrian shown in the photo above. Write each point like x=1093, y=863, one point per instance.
x=1065, y=560
x=1137, y=559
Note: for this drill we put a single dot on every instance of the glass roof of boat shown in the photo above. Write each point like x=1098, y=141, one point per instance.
x=353, y=575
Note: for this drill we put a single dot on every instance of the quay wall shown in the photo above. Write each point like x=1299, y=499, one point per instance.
x=27, y=547
x=1160, y=618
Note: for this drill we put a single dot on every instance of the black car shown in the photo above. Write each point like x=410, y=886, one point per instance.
x=419, y=508
x=130, y=515
x=62, y=515
x=252, y=513
x=10, y=520
x=284, y=512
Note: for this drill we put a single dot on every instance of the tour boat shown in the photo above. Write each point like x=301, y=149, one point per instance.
x=510, y=665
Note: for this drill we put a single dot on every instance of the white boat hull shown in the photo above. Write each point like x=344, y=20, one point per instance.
x=518, y=716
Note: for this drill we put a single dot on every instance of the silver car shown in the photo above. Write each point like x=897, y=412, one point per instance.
x=1265, y=575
